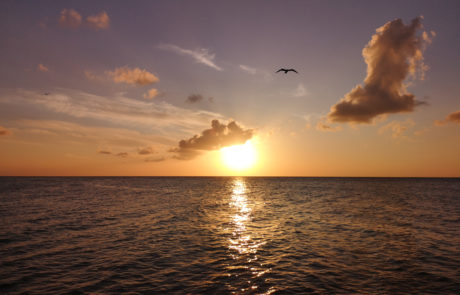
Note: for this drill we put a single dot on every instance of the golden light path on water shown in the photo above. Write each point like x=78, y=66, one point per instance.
x=243, y=244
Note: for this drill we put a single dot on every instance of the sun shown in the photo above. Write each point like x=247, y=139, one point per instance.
x=239, y=157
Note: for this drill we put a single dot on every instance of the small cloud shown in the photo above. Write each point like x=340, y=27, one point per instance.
x=152, y=93
x=42, y=68
x=193, y=98
x=451, y=118
x=134, y=76
x=157, y=159
x=104, y=152
x=397, y=128
x=248, y=69
x=321, y=126
x=122, y=155
x=99, y=21
x=70, y=18
x=300, y=91
x=220, y=135
x=43, y=24
x=4, y=131
x=200, y=55
x=146, y=151
x=91, y=76
x=394, y=53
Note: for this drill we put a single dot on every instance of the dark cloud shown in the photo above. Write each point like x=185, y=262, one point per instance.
x=104, y=152
x=158, y=159
x=394, y=53
x=146, y=151
x=218, y=136
x=451, y=118
x=4, y=131
x=193, y=98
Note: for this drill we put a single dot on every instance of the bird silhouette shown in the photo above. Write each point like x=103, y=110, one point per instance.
x=287, y=70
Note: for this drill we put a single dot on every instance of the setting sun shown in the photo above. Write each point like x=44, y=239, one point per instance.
x=239, y=157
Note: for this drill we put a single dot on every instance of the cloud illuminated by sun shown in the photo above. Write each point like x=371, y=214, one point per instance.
x=239, y=157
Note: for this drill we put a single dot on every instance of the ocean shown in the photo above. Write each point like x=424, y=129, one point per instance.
x=229, y=235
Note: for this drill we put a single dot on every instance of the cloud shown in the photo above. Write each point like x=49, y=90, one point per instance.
x=42, y=68
x=394, y=53
x=146, y=151
x=451, y=118
x=4, y=131
x=200, y=55
x=152, y=93
x=70, y=18
x=104, y=152
x=134, y=76
x=397, y=128
x=321, y=126
x=193, y=98
x=248, y=69
x=159, y=117
x=300, y=91
x=156, y=159
x=107, y=152
x=99, y=21
x=218, y=136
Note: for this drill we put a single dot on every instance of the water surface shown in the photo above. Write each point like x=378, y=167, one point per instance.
x=229, y=235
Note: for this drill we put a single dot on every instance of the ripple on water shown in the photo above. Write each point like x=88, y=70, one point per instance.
x=229, y=235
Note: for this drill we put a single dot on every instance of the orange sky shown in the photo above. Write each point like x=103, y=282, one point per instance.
x=87, y=91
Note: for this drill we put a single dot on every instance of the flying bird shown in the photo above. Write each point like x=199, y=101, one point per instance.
x=287, y=70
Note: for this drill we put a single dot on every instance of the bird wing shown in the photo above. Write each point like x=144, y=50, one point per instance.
x=293, y=71
x=280, y=70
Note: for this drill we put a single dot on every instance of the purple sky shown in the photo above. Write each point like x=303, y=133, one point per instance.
x=224, y=51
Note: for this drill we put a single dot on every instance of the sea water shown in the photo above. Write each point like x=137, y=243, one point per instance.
x=235, y=235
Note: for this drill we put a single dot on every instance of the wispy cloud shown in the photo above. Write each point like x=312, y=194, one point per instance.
x=146, y=150
x=117, y=110
x=100, y=21
x=300, y=91
x=321, y=126
x=451, y=118
x=200, y=55
x=397, y=128
x=70, y=18
x=248, y=69
x=42, y=68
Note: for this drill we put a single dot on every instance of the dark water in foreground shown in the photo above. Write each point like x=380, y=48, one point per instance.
x=229, y=235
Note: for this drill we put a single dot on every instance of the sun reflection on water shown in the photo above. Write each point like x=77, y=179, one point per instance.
x=245, y=242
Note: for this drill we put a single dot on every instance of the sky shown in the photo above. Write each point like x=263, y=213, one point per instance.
x=158, y=88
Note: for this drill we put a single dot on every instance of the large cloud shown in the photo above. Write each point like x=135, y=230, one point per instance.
x=219, y=135
x=451, y=118
x=134, y=76
x=394, y=53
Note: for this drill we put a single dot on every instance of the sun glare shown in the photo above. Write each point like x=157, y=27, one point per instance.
x=239, y=157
